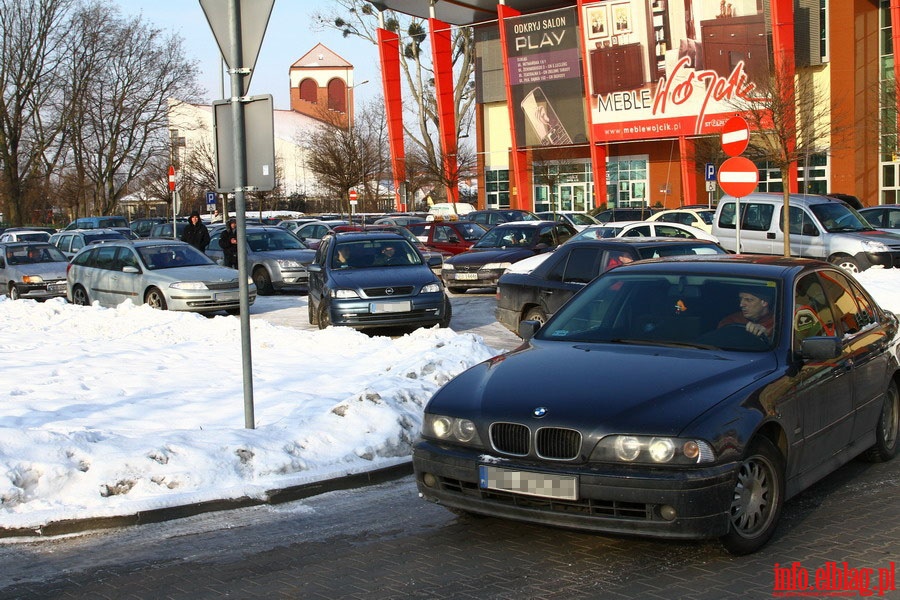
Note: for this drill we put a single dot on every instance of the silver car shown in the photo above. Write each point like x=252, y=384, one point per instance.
x=276, y=258
x=32, y=270
x=164, y=274
x=72, y=241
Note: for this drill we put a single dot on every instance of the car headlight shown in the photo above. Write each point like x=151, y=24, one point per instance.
x=450, y=429
x=32, y=279
x=499, y=265
x=431, y=288
x=286, y=263
x=447, y=267
x=344, y=294
x=188, y=285
x=653, y=450
x=873, y=246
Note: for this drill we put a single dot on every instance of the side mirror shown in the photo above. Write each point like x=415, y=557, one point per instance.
x=314, y=268
x=820, y=348
x=435, y=261
x=527, y=329
x=130, y=269
x=453, y=239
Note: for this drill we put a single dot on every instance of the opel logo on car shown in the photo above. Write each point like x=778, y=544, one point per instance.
x=389, y=291
x=539, y=412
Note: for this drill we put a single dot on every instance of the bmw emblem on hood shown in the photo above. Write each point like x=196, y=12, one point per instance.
x=539, y=412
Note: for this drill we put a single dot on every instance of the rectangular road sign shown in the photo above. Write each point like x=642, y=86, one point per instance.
x=710, y=172
x=260, y=152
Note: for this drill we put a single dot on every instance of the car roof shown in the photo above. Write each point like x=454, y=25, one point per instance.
x=639, y=242
x=367, y=234
x=89, y=231
x=732, y=264
x=22, y=244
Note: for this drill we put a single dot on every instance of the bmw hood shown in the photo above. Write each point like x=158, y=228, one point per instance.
x=476, y=256
x=603, y=388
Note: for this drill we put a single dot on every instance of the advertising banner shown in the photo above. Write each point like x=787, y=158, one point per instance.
x=546, y=80
x=660, y=68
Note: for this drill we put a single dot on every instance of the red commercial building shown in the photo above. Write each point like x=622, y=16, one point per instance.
x=615, y=102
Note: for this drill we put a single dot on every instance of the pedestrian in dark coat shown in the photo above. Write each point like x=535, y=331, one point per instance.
x=196, y=234
x=228, y=243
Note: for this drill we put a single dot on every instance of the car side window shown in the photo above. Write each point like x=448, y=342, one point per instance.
x=322, y=252
x=801, y=222
x=640, y=231
x=106, y=258
x=668, y=231
x=442, y=234
x=562, y=234
x=77, y=243
x=848, y=312
x=582, y=265
x=126, y=258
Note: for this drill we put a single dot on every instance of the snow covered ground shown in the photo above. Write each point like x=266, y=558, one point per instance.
x=112, y=411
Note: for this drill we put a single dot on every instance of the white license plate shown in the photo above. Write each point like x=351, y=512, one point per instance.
x=390, y=307
x=54, y=288
x=467, y=276
x=228, y=296
x=544, y=485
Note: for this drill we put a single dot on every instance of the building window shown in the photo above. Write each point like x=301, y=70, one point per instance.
x=813, y=174
x=889, y=183
x=337, y=96
x=627, y=181
x=497, y=188
x=309, y=90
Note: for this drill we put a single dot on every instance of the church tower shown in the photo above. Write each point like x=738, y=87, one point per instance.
x=322, y=81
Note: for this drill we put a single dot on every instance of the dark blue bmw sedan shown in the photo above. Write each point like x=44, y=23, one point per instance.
x=374, y=278
x=682, y=399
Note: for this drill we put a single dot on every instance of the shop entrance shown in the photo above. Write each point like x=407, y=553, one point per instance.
x=573, y=196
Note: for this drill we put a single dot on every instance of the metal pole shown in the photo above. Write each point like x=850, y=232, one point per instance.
x=240, y=179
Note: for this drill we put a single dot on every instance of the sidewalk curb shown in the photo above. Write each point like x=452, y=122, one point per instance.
x=276, y=496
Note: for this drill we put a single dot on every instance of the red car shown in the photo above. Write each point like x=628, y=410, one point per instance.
x=449, y=236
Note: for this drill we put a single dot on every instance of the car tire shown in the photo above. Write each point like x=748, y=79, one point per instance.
x=154, y=298
x=263, y=281
x=757, y=499
x=234, y=312
x=535, y=313
x=324, y=319
x=885, y=446
x=448, y=314
x=311, y=309
x=845, y=262
x=80, y=296
x=13, y=292
x=457, y=289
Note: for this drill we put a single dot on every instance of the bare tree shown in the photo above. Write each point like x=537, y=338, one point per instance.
x=32, y=107
x=791, y=118
x=360, y=19
x=344, y=158
x=120, y=119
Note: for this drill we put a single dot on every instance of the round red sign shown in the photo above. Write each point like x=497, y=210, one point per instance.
x=738, y=176
x=353, y=194
x=735, y=136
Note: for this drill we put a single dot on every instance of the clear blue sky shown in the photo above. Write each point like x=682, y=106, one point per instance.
x=288, y=37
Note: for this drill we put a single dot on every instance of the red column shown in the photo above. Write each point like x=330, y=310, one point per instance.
x=688, y=171
x=442, y=57
x=783, y=50
x=520, y=195
x=895, y=36
x=389, y=53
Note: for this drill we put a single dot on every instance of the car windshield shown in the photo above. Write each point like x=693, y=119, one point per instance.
x=471, y=232
x=366, y=254
x=621, y=307
x=597, y=232
x=42, y=253
x=270, y=240
x=836, y=218
x=706, y=216
x=90, y=238
x=506, y=237
x=169, y=256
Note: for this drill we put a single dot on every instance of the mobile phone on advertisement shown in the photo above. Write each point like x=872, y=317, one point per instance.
x=544, y=120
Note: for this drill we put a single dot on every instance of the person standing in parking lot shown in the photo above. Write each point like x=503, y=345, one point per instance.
x=228, y=243
x=196, y=234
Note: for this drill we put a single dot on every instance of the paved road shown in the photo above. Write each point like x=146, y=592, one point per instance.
x=384, y=542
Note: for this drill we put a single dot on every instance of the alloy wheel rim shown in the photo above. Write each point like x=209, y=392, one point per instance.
x=752, y=505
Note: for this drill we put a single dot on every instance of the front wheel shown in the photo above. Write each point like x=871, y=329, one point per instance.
x=885, y=446
x=80, y=297
x=311, y=309
x=757, y=499
x=263, y=281
x=324, y=319
x=448, y=314
x=155, y=299
x=13, y=292
x=847, y=263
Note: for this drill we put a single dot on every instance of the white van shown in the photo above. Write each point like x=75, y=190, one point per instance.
x=449, y=210
x=820, y=227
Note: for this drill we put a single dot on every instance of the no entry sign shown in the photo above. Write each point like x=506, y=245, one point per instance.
x=735, y=136
x=738, y=176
